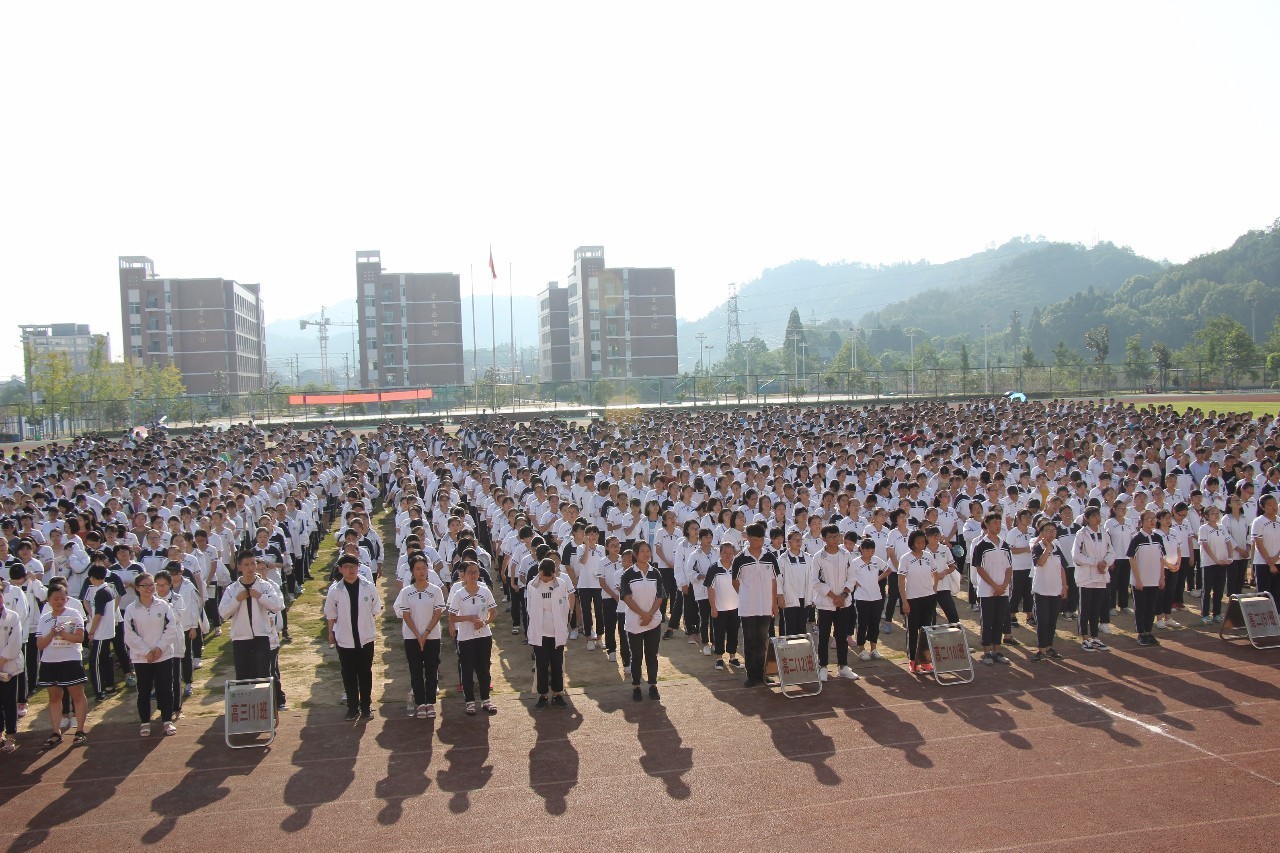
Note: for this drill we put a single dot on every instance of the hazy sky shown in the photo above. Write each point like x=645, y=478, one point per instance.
x=267, y=142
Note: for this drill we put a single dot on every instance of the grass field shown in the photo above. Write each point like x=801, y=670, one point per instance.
x=1257, y=404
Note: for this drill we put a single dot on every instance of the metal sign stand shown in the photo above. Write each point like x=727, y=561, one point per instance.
x=1255, y=614
x=949, y=651
x=249, y=708
x=794, y=662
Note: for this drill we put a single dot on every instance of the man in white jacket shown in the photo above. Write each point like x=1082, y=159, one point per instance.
x=549, y=598
x=248, y=604
x=351, y=606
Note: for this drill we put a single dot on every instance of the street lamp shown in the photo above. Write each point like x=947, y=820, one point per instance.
x=911, y=390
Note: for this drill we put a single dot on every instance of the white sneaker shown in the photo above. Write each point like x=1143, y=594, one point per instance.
x=573, y=635
x=1128, y=610
x=613, y=657
x=593, y=636
x=170, y=729
x=1106, y=628
x=146, y=730
x=196, y=663
x=706, y=650
x=68, y=722
x=1160, y=623
x=847, y=672
x=822, y=674
x=591, y=645
x=864, y=655
x=875, y=655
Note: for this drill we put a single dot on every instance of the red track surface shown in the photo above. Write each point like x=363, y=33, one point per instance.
x=1172, y=747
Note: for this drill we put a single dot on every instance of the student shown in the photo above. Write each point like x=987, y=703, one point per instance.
x=1174, y=544
x=794, y=586
x=830, y=583
x=916, y=587
x=946, y=574
x=696, y=565
x=192, y=616
x=471, y=612
x=549, y=604
x=611, y=569
x=722, y=601
x=1091, y=552
x=421, y=605
x=1265, y=533
x=351, y=607
x=11, y=663
x=755, y=576
x=992, y=562
x=247, y=605
x=586, y=565
x=151, y=631
x=1121, y=531
x=867, y=573
x=1146, y=561
x=1215, y=558
x=643, y=588
x=1049, y=586
x=1018, y=538
x=59, y=637
x=165, y=592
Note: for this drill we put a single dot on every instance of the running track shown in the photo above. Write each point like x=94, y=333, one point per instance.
x=1175, y=747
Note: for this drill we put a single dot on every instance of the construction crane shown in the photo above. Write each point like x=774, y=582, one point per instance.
x=323, y=325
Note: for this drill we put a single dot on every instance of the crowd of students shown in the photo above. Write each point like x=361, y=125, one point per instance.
x=722, y=527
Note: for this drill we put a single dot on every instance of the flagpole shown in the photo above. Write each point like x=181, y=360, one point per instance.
x=475, y=360
x=493, y=332
x=511, y=308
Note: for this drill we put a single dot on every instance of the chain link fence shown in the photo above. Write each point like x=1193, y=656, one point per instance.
x=32, y=421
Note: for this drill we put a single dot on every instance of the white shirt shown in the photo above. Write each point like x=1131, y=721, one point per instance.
x=477, y=605
x=420, y=605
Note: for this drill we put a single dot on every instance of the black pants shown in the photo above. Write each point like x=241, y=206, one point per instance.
x=1093, y=604
x=924, y=611
x=615, y=636
x=1215, y=580
x=947, y=603
x=644, y=649
x=188, y=655
x=32, y=667
x=673, y=599
x=175, y=681
x=1073, y=591
x=1144, y=608
x=357, y=675
x=793, y=619
x=691, y=612
x=157, y=676
x=1120, y=584
x=995, y=612
x=102, y=674
x=252, y=658
x=9, y=706
x=1047, y=609
x=474, y=656
x=1020, y=592
x=424, y=670
x=548, y=660
x=1183, y=579
x=705, y=628
x=121, y=650
x=890, y=595
x=726, y=632
x=592, y=610
x=837, y=621
x=1165, y=598
x=755, y=638
x=1263, y=580
x=868, y=621
x=519, y=607
x=211, y=609
x=1235, y=577
x=275, y=677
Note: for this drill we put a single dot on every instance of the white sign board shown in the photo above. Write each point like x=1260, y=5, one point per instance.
x=796, y=664
x=249, y=708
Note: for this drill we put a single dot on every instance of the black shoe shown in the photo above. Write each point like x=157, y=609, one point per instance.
x=653, y=691
x=542, y=702
x=352, y=715
x=366, y=715
x=734, y=662
x=1038, y=656
x=666, y=635
x=750, y=682
x=558, y=701
x=636, y=695
x=1011, y=641
x=720, y=664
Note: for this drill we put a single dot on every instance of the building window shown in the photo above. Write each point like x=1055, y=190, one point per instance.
x=153, y=302
x=135, y=308
x=135, y=329
x=369, y=301
x=137, y=352
x=595, y=336
x=153, y=324
x=389, y=337
x=373, y=343
x=371, y=322
x=388, y=315
x=155, y=345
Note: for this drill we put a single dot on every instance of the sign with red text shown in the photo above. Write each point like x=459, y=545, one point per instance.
x=795, y=662
x=249, y=709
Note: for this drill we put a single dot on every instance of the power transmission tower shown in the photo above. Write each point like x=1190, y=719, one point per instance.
x=733, y=331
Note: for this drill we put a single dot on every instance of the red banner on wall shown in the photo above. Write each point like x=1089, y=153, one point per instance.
x=361, y=397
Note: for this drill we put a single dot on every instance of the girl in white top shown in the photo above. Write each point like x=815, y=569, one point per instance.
x=550, y=598
x=11, y=663
x=59, y=637
x=1216, y=555
x=471, y=613
x=1120, y=530
x=867, y=573
x=1237, y=525
x=1092, y=555
x=1265, y=533
x=421, y=605
x=917, y=587
x=1049, y=586
x=150, y=633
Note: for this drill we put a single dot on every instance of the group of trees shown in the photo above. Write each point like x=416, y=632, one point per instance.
x=114, y=392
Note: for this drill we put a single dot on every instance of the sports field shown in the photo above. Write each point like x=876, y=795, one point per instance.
x=1258, y=404
x=1104, y=749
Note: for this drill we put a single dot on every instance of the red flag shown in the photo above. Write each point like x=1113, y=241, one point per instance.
x=492, y=268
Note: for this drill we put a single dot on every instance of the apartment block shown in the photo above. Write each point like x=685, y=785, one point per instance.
x=410, y=326
x=74, y=340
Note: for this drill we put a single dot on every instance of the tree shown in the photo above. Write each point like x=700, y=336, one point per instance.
x=1136, y=366
x=793, y=342
x=965, y=367
x=1098, y=341
x=1065, y=356
x=603, y=392
x=1163, y=358
x=1029, y=357
x=1238, y=350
